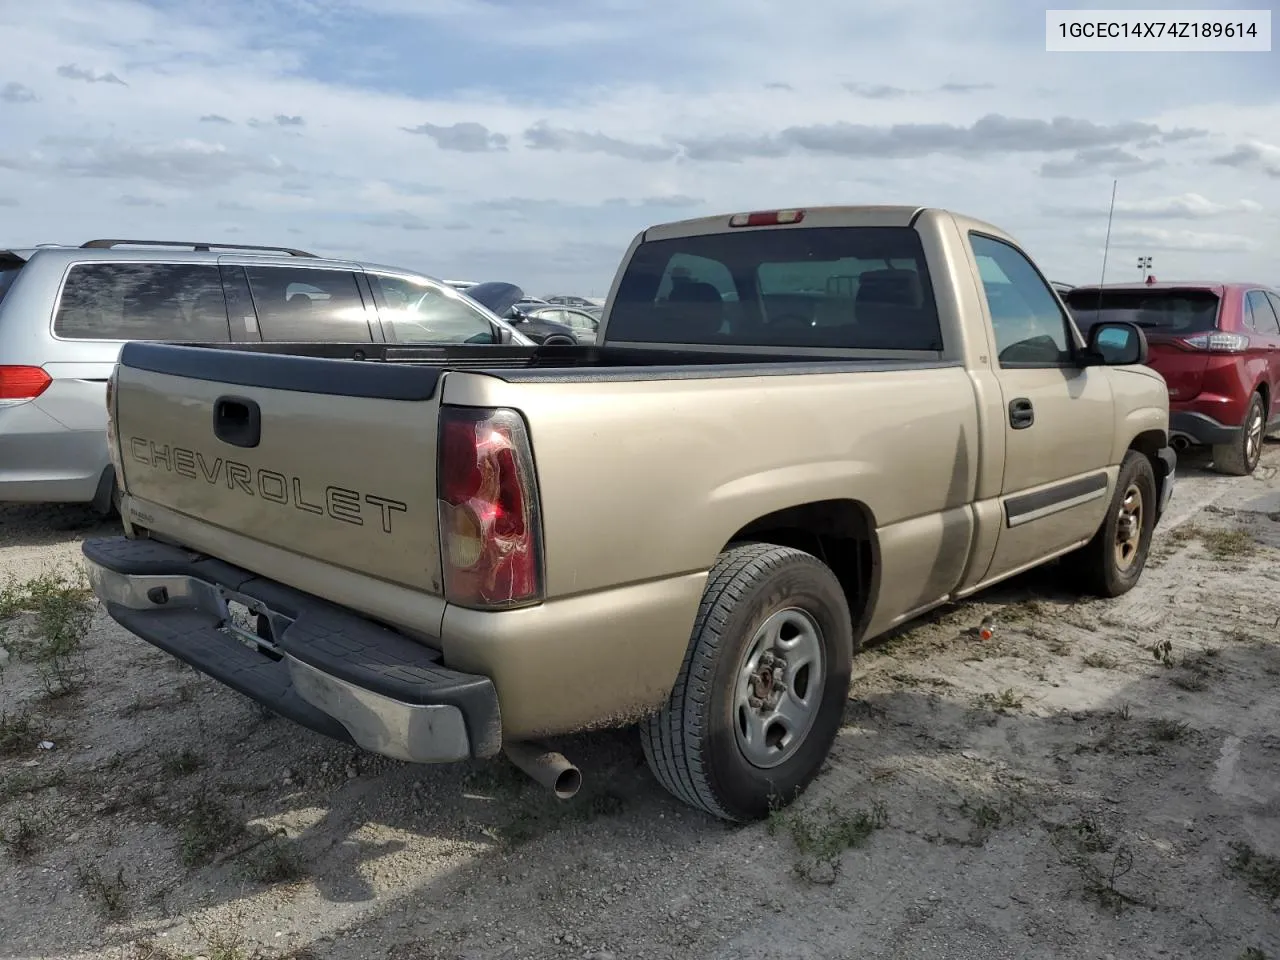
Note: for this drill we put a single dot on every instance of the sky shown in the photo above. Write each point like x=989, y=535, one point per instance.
x=530, y=140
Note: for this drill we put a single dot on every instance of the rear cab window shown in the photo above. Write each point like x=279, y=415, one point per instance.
x=847, y=288
x=142, y=301
x=1173, y=311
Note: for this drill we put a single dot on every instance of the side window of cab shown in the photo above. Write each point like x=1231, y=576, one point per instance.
x=1029, y=323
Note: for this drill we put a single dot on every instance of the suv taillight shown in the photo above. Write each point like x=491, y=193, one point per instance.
x=113, y=447
x=23, y=383
x=1218, y=342
x=490, y=529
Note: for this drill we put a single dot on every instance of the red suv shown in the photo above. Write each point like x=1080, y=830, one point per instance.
x=1217, y=345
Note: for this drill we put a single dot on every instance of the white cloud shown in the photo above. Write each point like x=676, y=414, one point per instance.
x=1193, y=241
x=259, y=120
x=1253, y=155
x=1186, y=206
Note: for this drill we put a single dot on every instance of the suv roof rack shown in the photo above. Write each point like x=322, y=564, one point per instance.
x=198, y=247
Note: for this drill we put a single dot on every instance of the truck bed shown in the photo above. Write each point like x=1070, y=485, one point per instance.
x=310, y=366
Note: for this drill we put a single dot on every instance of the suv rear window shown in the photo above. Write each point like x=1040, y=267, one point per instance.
x=852, y=288
x=8, y=274
x=1162, y=311
x=142, y=301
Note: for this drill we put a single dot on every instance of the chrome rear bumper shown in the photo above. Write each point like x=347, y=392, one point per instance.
x=319, y=665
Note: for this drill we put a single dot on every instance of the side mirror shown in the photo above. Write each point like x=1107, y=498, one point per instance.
x=1116, y=344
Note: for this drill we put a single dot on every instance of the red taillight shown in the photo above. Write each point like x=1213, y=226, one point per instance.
x=23, y=383
x=113, y=447
x=489, y=524
x=766, y=218
x=1218, y=342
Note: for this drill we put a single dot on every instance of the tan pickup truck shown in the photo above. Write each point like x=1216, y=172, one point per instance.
x=800, y=428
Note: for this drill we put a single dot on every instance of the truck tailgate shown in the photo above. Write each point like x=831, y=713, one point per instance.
x=334, y=461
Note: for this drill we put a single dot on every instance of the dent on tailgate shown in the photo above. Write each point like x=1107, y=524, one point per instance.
x=346, y=480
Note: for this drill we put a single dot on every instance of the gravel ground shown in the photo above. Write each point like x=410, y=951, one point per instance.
x=1099, y=780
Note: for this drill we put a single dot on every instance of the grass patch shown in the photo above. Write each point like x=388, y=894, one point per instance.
x=1099, y=660
x=207, y=829
x=17, y=734
x=180, y=763
x=1190, y=679
x=1100, y=861
x=108, y=894
x=821, y=837
x=1260, y=872
x=185, y=694
x=62, y=609
x=1224, y=544
x=276, y=861
x=21, y=838
x=1221, y=544
x=1006, y=701
x=1058, y=646
x=1164, y=730
x=28, y=782
x=1252, y=953
x=536, y=818
x=1023, y=610
x=1184, y=534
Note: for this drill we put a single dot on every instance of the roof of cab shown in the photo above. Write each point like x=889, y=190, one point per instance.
x=865, y=215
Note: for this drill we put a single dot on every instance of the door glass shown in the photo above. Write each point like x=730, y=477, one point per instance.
x=1275, y=302
x=297, y=304
x=1264, y=318
x=142, y=301
x=1029, y=324
x=419, y=312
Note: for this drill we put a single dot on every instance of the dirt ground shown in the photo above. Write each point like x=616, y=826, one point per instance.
x=1099, y=780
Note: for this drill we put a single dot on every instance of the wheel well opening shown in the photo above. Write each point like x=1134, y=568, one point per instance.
x=1149, y=443
x=840, y=533
x=1265, y=392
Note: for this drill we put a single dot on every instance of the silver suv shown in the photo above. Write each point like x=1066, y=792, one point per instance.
x=66, y=311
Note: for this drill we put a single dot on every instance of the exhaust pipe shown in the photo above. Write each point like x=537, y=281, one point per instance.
x=547, y=767
x=1179, y=444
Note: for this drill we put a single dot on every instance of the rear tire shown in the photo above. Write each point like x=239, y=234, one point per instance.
x=1240, y=458
x=1112, y=562
x=763, y=686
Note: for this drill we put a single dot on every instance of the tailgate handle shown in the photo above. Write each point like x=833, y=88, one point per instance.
x=237, y=421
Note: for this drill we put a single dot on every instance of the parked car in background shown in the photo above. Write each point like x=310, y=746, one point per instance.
x=567, y=301
x=582, y=323
x=1217, y=345
x=520, y=313
x=65, y=312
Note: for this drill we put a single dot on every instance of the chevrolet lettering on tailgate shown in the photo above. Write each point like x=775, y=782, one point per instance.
x=272, y=486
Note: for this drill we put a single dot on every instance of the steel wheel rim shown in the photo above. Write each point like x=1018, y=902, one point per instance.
x=1253, y=435
x=1129, y=527
x=778, y=690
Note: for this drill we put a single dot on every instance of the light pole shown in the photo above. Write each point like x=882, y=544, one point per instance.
x=1144, y=265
